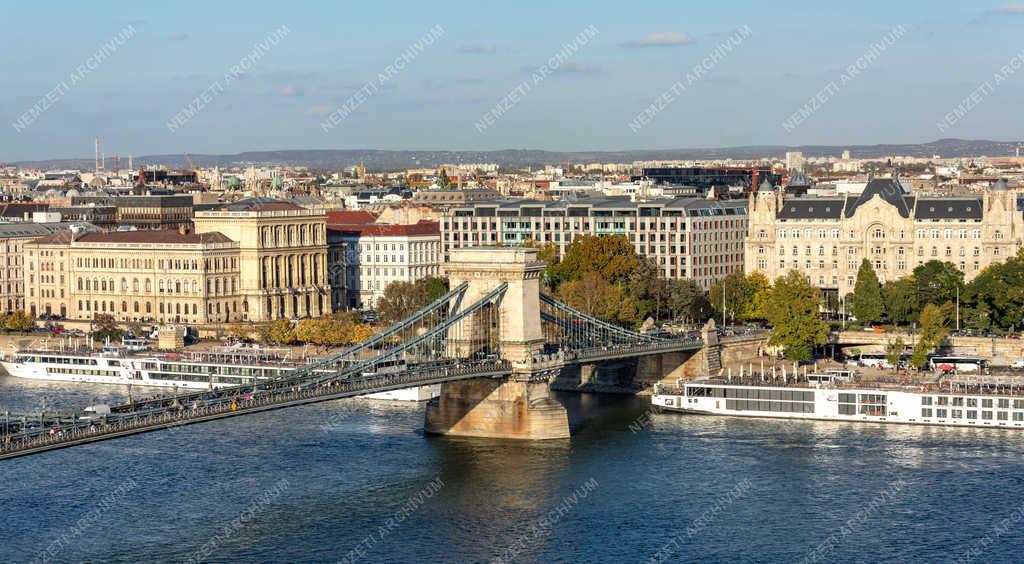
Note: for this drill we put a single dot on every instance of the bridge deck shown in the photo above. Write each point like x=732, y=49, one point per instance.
x=168, y=417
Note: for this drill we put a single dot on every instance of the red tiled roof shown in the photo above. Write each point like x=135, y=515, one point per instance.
x=383, y=229
x=350, y=217
x=155, y=236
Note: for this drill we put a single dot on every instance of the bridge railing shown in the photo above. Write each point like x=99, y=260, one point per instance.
x=182, y=414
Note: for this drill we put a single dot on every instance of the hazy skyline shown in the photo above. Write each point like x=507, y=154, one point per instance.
x=206, y=77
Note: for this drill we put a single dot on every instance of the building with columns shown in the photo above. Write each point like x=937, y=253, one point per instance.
x=826, y=238
x=282, y=251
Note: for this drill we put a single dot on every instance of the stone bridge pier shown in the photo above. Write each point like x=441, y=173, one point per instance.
x=520, y=407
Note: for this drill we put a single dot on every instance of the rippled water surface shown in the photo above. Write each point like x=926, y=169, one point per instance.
x=356, y=480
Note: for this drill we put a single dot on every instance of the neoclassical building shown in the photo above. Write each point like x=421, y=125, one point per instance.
x=282, y=256
x=827, y=237
x=154, y=275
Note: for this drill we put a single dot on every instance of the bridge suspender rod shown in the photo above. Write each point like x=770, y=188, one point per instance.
x=443, y=327
x=608, y=326
x=455, y=293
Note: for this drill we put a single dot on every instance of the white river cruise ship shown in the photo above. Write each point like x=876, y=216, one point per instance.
x=227, y=366
x=977, y=401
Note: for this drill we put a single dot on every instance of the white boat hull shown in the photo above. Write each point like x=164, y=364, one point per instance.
x=122, y=376
x=903, y=407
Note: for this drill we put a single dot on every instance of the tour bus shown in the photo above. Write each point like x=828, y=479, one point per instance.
x=958, y=363
x=873, y=360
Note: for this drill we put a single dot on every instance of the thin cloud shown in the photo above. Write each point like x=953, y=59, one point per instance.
x=291, y=90
x=661, y=39
x=477, y=49
x=320, y=110
x=177, y=36
x=577, y=68
x=1012, y=9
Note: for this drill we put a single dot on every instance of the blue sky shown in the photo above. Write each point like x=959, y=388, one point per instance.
x=795, y=49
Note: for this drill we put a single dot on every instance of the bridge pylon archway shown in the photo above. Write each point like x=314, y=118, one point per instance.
x=520, y=407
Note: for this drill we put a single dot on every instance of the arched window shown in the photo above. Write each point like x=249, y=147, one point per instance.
x=136, y=307
x=149, y=286
x=124, y=307
x=135, y=285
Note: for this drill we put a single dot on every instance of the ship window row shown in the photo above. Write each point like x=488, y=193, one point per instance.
x=1001, y=403
x=942, y=413
x=750, y=393
x=227, y=370
x=187, y=378
x=771, y=406
x=83, y=372
x=863, y=409
x=60, y=360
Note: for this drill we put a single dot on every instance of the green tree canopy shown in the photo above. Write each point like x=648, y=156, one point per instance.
x=17, y=321
x=932, y=331
x=610, y=256
x=104, y=327
x=899, y=298
x=402, y=299
x=595, y=295
x=792, y=310
x=995, y=298
x=689, y=302
x=937, y=283
x=745, y=296
x=866, y=300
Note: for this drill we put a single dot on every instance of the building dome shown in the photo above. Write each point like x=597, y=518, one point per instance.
x=1000, y=185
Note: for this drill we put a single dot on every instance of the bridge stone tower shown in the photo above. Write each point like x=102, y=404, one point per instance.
x=519, y=407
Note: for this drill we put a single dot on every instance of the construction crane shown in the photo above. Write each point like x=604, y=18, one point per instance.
x=191, y=165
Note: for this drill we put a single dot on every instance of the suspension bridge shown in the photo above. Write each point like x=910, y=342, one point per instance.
x=493, y=342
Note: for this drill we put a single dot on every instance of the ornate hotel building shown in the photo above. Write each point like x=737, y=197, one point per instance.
x=282, y=256
x=827, y=237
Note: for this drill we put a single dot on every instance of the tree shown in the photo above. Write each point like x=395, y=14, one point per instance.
x=649, y=289
x=19, y=321
x=894, y=351
x=792, y=310
x=745, y=296
x=610, y=256
x=899, y=299
x=758, y=290
x=402, y=299
x=442, y=179
x=931, y=333
x=104, y=327
x=866, y=300
x=689, y=302
x=280, y=332
x=596, y=296
x=937, y=283
x=995, y=298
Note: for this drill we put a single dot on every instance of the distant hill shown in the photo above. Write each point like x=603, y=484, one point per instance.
x=393, y=160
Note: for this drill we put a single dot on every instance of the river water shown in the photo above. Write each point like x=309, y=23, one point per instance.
x=356, y=480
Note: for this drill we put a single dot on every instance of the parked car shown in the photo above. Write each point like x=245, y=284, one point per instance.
x=1017, y=363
